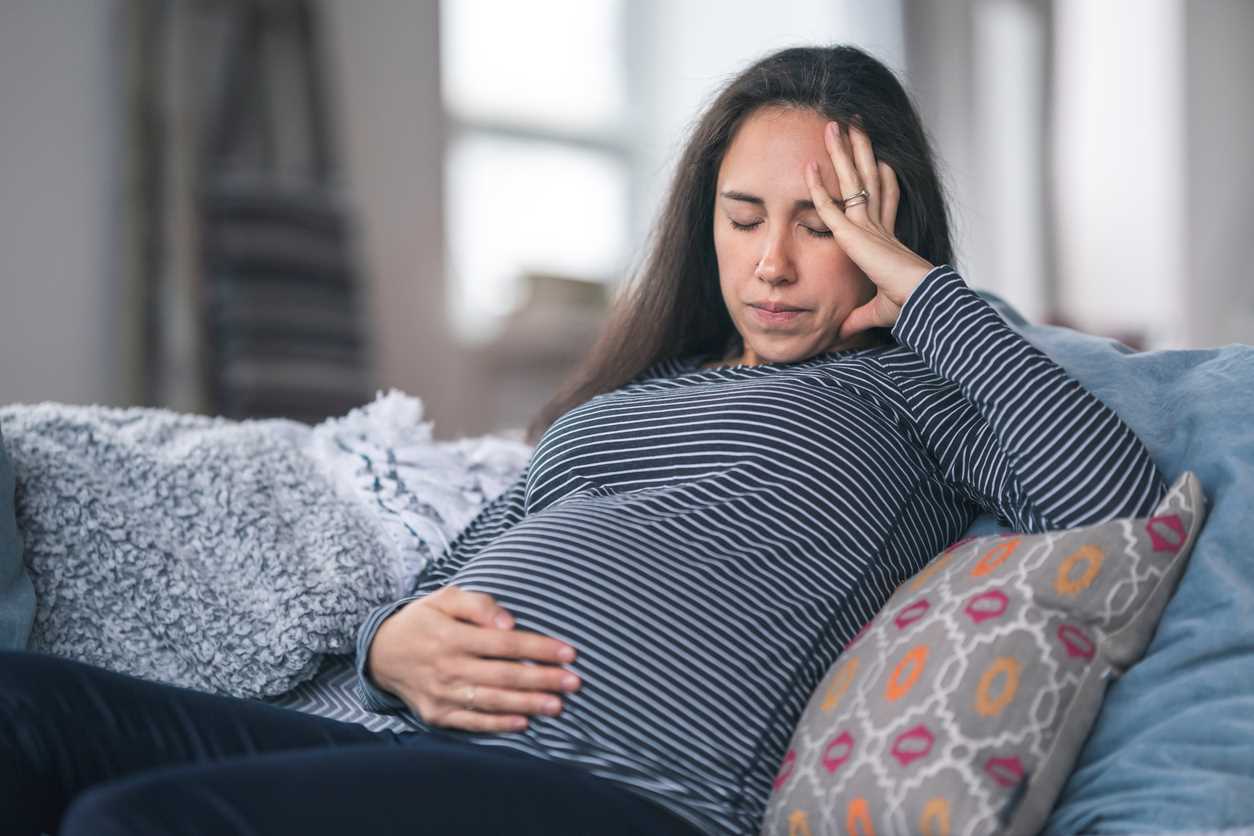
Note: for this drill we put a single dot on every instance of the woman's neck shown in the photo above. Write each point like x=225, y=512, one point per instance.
x=737, y=356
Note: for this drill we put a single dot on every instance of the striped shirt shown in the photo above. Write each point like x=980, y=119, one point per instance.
x=710, y=539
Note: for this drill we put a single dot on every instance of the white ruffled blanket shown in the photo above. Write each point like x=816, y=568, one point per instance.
x=232, y=556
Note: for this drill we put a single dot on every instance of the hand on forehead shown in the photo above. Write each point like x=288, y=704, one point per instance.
x=768, y=154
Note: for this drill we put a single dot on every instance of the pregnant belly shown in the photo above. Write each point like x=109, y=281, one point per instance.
x=681, y=660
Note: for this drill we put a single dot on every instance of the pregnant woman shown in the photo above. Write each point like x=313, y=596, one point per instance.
x=796, y=404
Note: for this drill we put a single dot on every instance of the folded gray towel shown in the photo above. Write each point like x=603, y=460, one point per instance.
x=231, y=556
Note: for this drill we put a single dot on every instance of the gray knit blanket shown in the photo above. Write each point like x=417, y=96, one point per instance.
x=233, y=556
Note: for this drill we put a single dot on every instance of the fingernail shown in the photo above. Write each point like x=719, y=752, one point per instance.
x=503, y=621
x=832, y=129
x=566, y=654
x=552, y=706
x=569, y=682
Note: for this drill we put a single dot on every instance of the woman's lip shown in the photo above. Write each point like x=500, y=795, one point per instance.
x=774, y=318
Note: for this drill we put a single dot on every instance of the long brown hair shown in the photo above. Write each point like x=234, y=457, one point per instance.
x=673, y=306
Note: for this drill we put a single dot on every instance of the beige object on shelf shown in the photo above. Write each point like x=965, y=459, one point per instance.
x=541, y=344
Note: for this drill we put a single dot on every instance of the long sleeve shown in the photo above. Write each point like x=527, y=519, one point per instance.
x=498, y=516
x=1005, y=423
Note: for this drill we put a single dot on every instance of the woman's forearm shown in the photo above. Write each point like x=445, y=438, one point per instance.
x=1042, y=440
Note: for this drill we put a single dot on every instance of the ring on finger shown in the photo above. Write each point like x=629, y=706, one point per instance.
x=470, y=698
x=856, y=199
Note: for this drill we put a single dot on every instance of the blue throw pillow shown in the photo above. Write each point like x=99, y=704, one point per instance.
x=17, y=596
x=1173, y=746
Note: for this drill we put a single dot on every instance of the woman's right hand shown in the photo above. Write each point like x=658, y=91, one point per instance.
x=430, y=650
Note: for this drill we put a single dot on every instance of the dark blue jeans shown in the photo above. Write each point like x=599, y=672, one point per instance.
x=88, y=751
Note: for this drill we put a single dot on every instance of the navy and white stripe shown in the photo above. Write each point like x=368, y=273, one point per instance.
x=709, y=539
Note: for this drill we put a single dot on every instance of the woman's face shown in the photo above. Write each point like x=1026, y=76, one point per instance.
x=772, y=246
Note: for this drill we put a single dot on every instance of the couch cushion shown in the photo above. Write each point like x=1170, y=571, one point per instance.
x=17, y=596
x=1173, y=747
x=964, y=703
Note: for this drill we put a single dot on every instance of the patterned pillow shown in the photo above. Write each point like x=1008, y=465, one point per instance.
x=961, y=707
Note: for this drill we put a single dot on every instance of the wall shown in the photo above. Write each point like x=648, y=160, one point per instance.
x=64, y=323
x=1118, y=156
x=63, y=333
x=1215, y=205
x=977, y=72
x=385, y=62
x=1123, y=206
x=684, y=50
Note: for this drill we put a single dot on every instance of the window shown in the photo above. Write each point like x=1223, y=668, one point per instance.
x=537, y=176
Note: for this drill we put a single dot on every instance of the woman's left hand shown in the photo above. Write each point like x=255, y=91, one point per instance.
x=865, y=230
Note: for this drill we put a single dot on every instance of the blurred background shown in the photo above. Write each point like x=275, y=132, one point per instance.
x=278, y=207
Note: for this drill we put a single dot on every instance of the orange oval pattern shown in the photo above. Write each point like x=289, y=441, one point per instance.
x=1003, y=666
x=995, y=557
x=858, y=818
x=934, y=820
x=1068, y=586
x=907, y=672
x=799, y=824
x=840, y=683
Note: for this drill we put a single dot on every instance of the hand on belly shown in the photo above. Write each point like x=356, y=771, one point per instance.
x=450, y=657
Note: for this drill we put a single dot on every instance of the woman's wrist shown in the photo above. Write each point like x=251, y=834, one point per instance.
x=376, y=669
x=372, y=654
x=925, y=300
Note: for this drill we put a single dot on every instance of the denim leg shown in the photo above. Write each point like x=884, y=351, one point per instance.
x=430, y=785
x=66, y=726
x=129, y=756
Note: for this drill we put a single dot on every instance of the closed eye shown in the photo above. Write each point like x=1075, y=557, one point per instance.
x=814, y=233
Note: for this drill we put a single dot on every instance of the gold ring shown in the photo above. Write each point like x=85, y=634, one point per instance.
x=470, y=699
x=856, y=199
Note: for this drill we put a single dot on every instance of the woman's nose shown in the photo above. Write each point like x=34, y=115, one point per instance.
x=775, y=266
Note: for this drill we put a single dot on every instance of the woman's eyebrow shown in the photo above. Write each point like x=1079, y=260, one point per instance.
x=754, y=199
